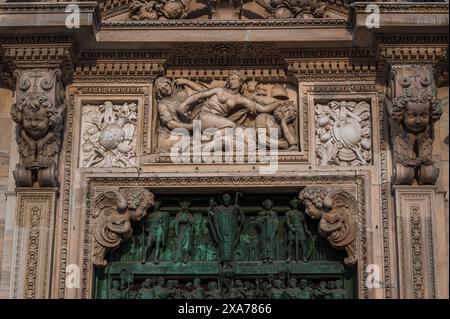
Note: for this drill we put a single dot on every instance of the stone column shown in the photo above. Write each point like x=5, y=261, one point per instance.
x=41, y=71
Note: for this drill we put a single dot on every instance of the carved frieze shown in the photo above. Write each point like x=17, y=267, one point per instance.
x=109, y=135
x=218, y=106
x=227, y=10
x=343, y=133
x=112, y=216
x=299, y=9
x=414, y=108
x=337, y=211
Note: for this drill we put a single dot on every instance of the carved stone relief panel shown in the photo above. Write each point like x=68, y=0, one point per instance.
x=343, y=133
x=243, y=107
x=108, y=134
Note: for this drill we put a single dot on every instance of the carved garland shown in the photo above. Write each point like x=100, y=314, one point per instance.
x=154, y=182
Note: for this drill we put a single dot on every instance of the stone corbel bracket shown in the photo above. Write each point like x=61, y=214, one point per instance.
x=112, y=216
x=337, y=211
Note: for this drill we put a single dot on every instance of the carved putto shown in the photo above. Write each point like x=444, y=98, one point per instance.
x=159, y=9
x=343, y=133
x=112, y=216
x=337, y=211
x=39, y=137
x=414, y=108
x=109, y=135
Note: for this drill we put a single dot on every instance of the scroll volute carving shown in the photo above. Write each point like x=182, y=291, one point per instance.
x=112, y=216
x=413, y=109
x=337, y=211
x=39, y=114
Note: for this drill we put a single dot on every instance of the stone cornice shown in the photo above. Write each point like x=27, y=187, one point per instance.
x=327, y=39
x=327, y=53
x=441, y=70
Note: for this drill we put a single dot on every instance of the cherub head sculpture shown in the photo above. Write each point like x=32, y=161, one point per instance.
x=235, y=81
x=36, y=115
